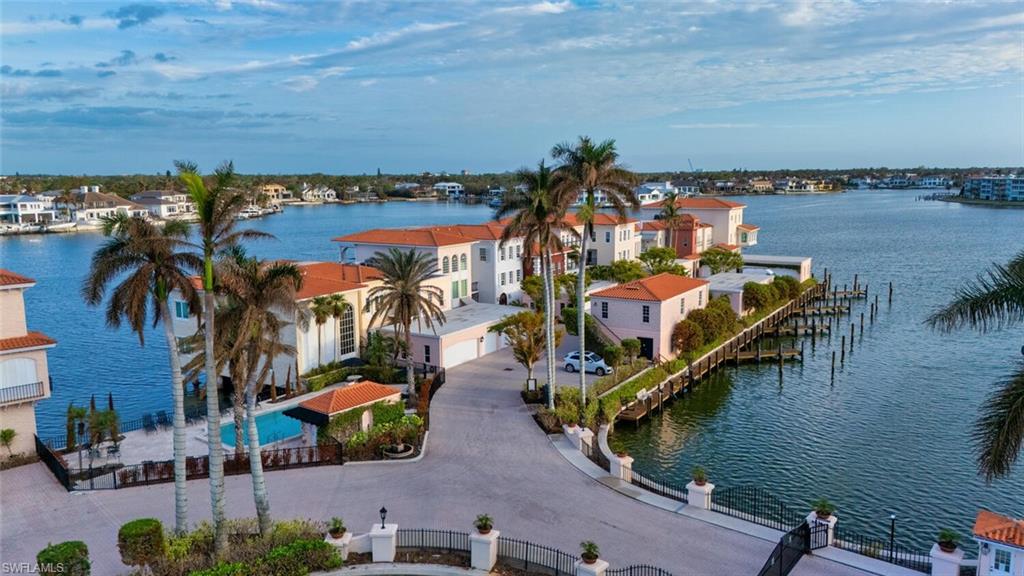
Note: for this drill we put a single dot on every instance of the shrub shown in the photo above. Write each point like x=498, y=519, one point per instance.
x=224, y=569
x=823, y=507
x=613, y=356
x=757, y=296
x=483, y=523
x=141, y=542
x=70, y=558
x=687, y=336
x=948, y=537
x=789, y=286
x=336, y=527
x=388, y=413
x=631, y=346
x=299, y=558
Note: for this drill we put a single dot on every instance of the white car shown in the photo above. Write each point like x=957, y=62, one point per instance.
x=595, y=363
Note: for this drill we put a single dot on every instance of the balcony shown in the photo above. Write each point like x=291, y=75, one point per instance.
x=22, y=392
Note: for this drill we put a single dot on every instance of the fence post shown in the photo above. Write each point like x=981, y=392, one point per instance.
x=584, y=436
x=384, y=541
x=946, y=563
x=622, y=467
x=597, y=568
x=699, y=496
x=483, y=550
x=342, y=543
x=814, y=520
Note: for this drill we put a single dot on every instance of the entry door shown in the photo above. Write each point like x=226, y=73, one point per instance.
x=647, y=348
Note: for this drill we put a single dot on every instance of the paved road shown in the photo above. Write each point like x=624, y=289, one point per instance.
x=485, y=456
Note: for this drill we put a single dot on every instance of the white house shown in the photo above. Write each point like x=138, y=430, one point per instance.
x=496, y=268
x=24, y=209
x=1000, y=544
x=165, y=203
x=319, y=193
x=724, y=216
x=91, y=206
x=450, y=189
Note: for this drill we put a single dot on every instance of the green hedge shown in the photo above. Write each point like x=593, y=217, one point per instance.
x=141, y=542
x=297, y=558
x=68, y=558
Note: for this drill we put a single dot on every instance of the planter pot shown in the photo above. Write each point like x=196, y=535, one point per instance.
x=699, y=482
x=337, y=535
x=622, y=454
x=589, y=558
x=822, y=516
x=484, y=530
x=399, y=452
x=947, y=546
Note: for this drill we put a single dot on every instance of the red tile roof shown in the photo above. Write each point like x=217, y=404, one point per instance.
x=655, y=225
x=322, y=278
x=657, y=288
x=700, y=204
x=998, y=528
x=729, y=247
x=8, y=278
x=600, y=219
x=410, y=237
x=748, y=227
x=485, y=231
x=349, y=397
x=30, y=340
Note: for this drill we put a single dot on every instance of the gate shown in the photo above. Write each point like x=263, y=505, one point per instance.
x=787, y=552
x=818, y=536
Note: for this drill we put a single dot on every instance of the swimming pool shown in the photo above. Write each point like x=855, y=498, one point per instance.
x=272, y=427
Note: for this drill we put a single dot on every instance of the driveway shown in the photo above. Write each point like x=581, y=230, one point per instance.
x=485, y=455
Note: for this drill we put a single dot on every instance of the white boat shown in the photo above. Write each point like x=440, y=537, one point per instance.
x=250, y=212
x=61, y=227
x=20, y=228
x=495, y=202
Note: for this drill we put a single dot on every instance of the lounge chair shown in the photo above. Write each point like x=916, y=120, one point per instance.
x=114, y=451
x=148, y=424
x=163, y=419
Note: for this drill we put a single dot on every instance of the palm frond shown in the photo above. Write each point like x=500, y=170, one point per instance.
x=993, y=301
x=999, y=430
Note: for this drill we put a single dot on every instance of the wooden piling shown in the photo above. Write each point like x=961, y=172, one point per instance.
x=842, y=351
x=833, y=364
x=855, y=283
x=890, y=292
x=758, y=351
x=862, y=324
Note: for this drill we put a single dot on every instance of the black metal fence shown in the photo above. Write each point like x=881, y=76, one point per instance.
x=756, y=505
x=791, y=547
x=882, y=549
x=593, y=452
x=54, y=462
x=638, y=570
x=659, y=487
x=446, y=540
x=150, y=422
x=535, y=558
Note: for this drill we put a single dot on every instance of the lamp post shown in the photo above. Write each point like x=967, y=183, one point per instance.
x=892, y=537
x=383, y=515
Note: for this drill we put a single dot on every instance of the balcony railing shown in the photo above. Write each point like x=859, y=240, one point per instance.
x=22, y=392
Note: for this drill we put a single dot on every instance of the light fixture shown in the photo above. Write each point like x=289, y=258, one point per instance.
x=383, y=515
x=984, y=548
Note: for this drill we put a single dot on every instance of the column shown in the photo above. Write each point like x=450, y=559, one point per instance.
x=483, y=550
x=622, y=467
x=384, y=541
x=586, y=435
x=814, y=520
x=699, y=495
x=946, y=563
x=597, y=568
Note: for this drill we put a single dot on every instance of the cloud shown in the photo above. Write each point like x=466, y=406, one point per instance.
x=135, y=14
x=367, y=83
x=712, y=126
x=140, y=118
x=545, y=7
x=48, y=73
x=17, y=92
x=391, y=36
x=126, y=58
x=161, y=57
x=105, y=73
x=7, y=70
x=300, y=83
x=73, y=20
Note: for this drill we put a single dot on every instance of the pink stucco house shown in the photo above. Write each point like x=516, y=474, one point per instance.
x=648, y=309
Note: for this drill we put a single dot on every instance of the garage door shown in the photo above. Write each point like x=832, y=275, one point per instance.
x=461, y=352
x=493, y=342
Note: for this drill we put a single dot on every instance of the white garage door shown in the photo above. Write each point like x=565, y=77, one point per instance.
x=493, y=342
x=461, y=352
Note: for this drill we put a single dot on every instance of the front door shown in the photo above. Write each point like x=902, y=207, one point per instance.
x=647, y=348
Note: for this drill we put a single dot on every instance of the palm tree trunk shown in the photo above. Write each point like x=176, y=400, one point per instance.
x=216, y=464
x=259, y=484
x=580, y=324
x=410, y=376
x=178, y=396
x=549, y=321
x=319, y=344
x=238, y=410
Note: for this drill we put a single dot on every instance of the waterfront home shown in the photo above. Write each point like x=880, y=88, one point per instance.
x=762, y=185
x=730, y=284
x=648, y=309
x=90, y=206
x=651, y=192
x=318, y=193
x=22, y=210
x=723, y=215
x=166, y=204
x=453, y=190
x=798, y=267
x=614, y=238
x=687, y=187
x=932, y=181
x=1000, y=544
x=690, y=237
x=274, y=193
x=465, y=335
x=24, y=378
x=496, y=269
x=1008, y=188
x=318, y=410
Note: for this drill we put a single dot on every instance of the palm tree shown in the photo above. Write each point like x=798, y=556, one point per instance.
x=995, y=300
x=589, y=167
x=322, y=308
x=216, y=207
x=150, y=263
x=406, y=296
x=259, y=294
x=670, y=215
x=537, y=214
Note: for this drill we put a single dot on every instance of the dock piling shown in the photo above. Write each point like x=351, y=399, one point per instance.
x=861, y=324
x=833, y=365
x=855, y=283
x=890, y=292
x=842, y=351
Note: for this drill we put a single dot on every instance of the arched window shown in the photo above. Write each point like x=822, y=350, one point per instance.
x=346, y=330
x=455, y=263
x=463, y=261
x=446, y=268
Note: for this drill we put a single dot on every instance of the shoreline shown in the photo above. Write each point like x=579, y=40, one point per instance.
x=980, y=202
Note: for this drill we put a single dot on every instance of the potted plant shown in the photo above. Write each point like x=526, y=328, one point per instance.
x=590, y=551
x=622, y=453
x=336, y=527
x=823, y=508
x=700, y=476
x=484, y=523
x=948, y=539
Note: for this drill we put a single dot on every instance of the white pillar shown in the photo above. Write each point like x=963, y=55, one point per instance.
x=572, y=433
x=483, y=550
x=384, y=541
x=946, y=563
x=598, y=568
x=699, y=496
x=814, y=520
x=622, y=467
x=342, y=544
x=586, y=435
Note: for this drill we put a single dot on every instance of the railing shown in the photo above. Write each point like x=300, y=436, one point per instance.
x=638, y=570
x=533, y=558
x=150, y=422
x=659, y=487
x=22, y=392
x=595, y=454
x=447, y=540
x=756, y=505
x=54, y=463
x=882, y=549
x=791, y=547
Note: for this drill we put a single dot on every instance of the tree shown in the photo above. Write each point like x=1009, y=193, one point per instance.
x=687, y=336
x=536, y=212
x=217, y=208
x=535, y=287
x=589, y=167
x=258, y=295
x=147, y=264
x=720, y=260
x=757, y=296
x=631, y=347
x=379, y=348
x=620, y=271
x=671, y=214
x=995, y=300
x=659, y=260
x=322, y=308
x=526, y=334
x=7, y=436
x=406, y=296
x=569, y=284
x=612, y=356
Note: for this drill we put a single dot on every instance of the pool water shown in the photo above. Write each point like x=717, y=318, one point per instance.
x=272, y=427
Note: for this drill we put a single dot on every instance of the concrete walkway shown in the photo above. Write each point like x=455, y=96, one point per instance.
x=486, y=456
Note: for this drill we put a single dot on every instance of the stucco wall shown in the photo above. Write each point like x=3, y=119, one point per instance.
x=22, y=419
x=12, y=321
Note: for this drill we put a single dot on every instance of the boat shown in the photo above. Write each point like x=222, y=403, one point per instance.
x=61, y=227
x=250, y=212
x=495, y=202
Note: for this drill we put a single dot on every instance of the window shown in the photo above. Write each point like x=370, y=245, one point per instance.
x=519, y=251
x=700, y=299
x=181, y=309
x=604, y=309
x=446, y=267
x=426, y=353
x=502, y=278
x=464, y=290
x=455, y=290
x=519, y=275
x=682, y=305
x=646, y=314
x=607, y=236
x=483, y=254
x=1001, y=561
x=462, y=260
x=455, y=263
x=502, y=253
x=347, y=331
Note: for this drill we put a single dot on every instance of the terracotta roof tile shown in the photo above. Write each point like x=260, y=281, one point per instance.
x=998, y=528
x=8, y=278
x=748, y=227
x=485, y=231
x=729, y=247
x=30, y=340
x=411, y=237
x=657, y=288
x=701, y=204
x=600, y=219
x=349, y=397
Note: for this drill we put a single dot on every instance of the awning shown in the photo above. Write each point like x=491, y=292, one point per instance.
x=308, y=416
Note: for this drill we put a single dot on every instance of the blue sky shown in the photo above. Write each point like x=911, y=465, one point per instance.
x=347, y=87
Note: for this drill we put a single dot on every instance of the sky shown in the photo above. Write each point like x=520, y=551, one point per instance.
x=412, y=86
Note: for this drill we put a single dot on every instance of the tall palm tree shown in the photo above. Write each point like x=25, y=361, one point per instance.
x=217, y=207
x=405, y=297
x=537, y=214
x=147, y=264
x=588, y=167
x=670, y=215
x=322, y=308
x=259, y=295
x=994, y=301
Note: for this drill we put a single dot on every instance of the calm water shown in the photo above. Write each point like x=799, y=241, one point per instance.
x=892, y=434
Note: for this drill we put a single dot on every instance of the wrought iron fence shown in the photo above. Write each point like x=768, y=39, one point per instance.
x=447, y=540
x=882, y=549
x=54, y=463
x=638, y=570
x=534, y=557
x=659, y=487
x=593, y=452
x=791, y=547
x=150, y=422
x=756, y=505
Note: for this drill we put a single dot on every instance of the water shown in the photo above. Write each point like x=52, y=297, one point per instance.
x=271, y=426
x=892, y=434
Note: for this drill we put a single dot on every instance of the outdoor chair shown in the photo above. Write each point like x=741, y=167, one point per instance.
x=163, y=420
x=114, y=451
x=148, y=424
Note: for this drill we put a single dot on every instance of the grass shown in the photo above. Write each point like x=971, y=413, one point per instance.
x=625, y=372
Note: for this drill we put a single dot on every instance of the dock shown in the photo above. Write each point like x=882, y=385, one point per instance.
x=799, y=330
x=835, y=310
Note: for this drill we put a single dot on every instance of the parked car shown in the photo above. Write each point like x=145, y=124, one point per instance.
x=595, y=363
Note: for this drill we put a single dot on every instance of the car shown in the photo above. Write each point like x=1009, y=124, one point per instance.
x=594, y=363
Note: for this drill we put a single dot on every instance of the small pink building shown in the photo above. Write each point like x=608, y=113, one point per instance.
x=648, y=309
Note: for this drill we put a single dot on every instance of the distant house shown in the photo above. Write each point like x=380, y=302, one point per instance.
x=762, y=185
x=723, y=215
x=275, y=193
x=20, y=209
x=1000, y=544
x=1007, y=188
x=450, y=189
x=319, y=193
x=165, y=203
x=91, y=206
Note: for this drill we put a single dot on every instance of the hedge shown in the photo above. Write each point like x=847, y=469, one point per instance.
x=69, y=558
x=141, y=542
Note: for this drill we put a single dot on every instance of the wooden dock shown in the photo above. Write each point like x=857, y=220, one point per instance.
x=799, y=330
x=835, y=310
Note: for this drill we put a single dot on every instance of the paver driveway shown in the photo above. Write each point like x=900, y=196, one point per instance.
x=485, y=455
